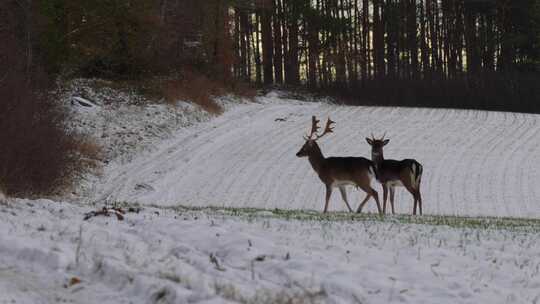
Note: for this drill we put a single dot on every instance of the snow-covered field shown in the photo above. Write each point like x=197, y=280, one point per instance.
x=165, y=256
x=475, y=163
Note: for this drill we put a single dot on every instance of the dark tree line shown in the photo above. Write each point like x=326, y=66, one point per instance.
x=344, y=42
x=482, y=54
x=455, y=51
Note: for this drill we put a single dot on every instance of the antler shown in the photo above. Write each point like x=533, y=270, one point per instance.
x=373, y=136
x=327, y=129
x=314, y=127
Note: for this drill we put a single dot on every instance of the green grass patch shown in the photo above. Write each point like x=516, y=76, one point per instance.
x=250, y=213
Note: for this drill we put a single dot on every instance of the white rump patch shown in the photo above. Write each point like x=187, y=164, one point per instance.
x=414, y=169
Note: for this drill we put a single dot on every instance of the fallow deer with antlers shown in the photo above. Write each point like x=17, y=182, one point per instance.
x=338, y=171
x=391, y=173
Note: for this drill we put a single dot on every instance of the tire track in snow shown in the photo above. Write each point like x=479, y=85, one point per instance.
x=512, y=167
x=514, y=137
x=526, y=167
x=533, y=174
x=268, y=144
x=463, y=179
x=440, y=186
x=459, y=159
x=491, y=143
x=475, y=162
x=120, y=180
x=229, y=142
x=431, y=159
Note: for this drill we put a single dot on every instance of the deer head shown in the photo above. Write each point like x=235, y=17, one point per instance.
x=311, y=145
x=377, y=144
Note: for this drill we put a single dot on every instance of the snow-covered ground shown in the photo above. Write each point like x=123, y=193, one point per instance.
x=164, y=256
x=123, y=122
x=475, y=162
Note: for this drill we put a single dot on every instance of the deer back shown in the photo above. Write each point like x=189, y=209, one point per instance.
x=346, y=169
x=397, y=170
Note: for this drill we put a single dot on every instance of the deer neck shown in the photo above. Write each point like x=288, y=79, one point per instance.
x=316, y=158
x=377, y=157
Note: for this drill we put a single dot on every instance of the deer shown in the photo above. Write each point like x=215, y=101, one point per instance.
x=338, y=172
x=391, y=173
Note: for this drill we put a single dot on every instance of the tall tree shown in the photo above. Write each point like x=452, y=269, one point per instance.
x=266, y=10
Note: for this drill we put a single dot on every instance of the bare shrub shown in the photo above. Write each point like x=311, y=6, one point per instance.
x=37, y=155
x=196, y=88
x=243, y=89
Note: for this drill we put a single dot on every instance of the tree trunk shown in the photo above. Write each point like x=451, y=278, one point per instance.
x=278, y=50
x=267, y=42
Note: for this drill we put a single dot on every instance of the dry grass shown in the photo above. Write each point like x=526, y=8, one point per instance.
x=37, y=155
x=263, y=296
x=189, y=86
x=200, y=89
x=244, y=90
x=196, y=88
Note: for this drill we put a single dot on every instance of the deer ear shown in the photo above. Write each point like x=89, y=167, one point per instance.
x=369, y=141
x=385, y=142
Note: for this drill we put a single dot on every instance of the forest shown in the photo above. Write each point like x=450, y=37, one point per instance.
x=472, y=54
x=231, y=151
x=458, y=53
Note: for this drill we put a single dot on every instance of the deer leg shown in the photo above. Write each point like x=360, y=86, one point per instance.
x=385, y=196
x=371, y=192
x=343, y=191
x=392, y=190
x=415, y=197
x=359, y=210
x=328, y=194
x=419, y=200
x=376, y=196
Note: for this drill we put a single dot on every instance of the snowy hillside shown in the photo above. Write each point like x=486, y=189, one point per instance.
x=160, y=158
x=475, y=162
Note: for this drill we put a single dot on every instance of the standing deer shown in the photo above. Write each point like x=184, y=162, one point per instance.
x=391, y=173
x=338, y=171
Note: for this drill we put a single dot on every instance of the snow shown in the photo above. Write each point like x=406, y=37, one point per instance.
x=79, y=101
x=475, y=163
x=124, y=123
x=165, y=253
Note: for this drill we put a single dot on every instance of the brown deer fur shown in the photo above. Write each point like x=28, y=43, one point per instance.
x=339, y=171
x=391, y=173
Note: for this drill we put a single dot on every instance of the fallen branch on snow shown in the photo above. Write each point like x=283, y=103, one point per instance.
x=106, y=212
